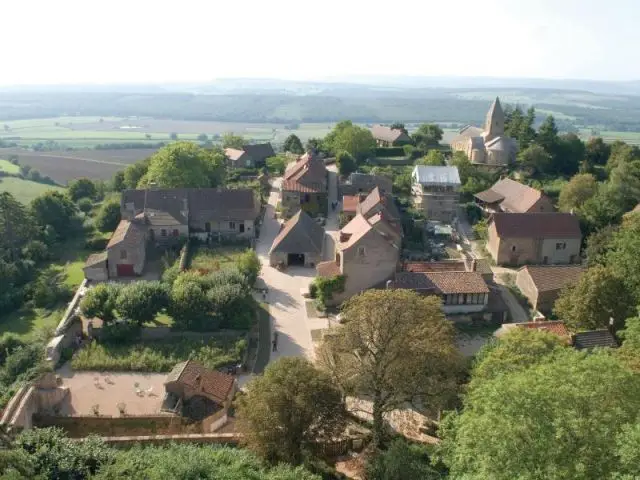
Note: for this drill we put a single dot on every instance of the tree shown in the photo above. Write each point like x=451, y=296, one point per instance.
x=604, y=208
x=173, y=136
x=183, y=165
x=277, y=164
x=288, y=409
x=620, y=153
x=229, y=140
x=85, y=205
x=347, y=137
x=520, y=126
x=314, y=145
x=580, y=188
x=535, y=159
x=293, y=144
x=570, y=153
x=81, y=188
x=203, y=137
x=117, y=183
x=17, y=226
x=141, y=301
x=49, y=288
x=597, y=151
x=399, y=126
x=402, y=460
x=100, y=302
x=623, y=258
x=555, y=420
x=433, y=157
x=188, y=304
x=427, y=135
x=547, y=136
x=395, y=347
x=36, y=251
x=598, y=296
x=346, y=163
x=55, y=209
x=598, y=245
x=134, y=173
x=108, y=217
x=249, y=265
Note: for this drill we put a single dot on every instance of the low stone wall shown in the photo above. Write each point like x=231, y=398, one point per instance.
x=198, y=438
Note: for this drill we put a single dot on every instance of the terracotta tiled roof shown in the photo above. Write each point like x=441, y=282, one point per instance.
x=233, y=153
x=376, y=198
x=516, y=197
x=216, y=384
x=595, y=338
x=442, y=282
x=536, y=225
x=300, y=234
x=353, y=231
x=388, y=134
x=451, y=266
x=556, y=327
x=386, y=226
x=548, y=278
x=128, y=233
x=350, y=203
x=328, y=269
x=95, y=259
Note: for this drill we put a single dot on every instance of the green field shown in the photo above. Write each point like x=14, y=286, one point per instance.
x=25, y=190
x=8, y=167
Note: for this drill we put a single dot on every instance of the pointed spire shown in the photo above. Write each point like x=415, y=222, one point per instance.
x=494, y=125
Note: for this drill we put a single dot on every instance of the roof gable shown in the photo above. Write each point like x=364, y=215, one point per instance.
x=436, y=175
x=214, y=383
x=127, y=233
x=547, y=278
x=536, y=225
x=299, y=234
x=388, y=134
x=516, y=197
x=259, y=151
x=442, y=283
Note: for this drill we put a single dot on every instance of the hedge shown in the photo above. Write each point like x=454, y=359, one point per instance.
x=390, y=152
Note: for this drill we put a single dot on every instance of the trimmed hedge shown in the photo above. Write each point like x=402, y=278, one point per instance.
x=390, y=152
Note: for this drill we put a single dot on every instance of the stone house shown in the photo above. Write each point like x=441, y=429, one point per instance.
x=542, y=284
x=436, y=191
x=489, y=146
x=304, y=186
x=238, y=158
x=369, y=205
x=199, y=393
x=389, y=137
x=363, y=183
x=300, y=242
x=534, y=238
x=366, y=253
x=95, y=268
x=126, y=250
x=507, y=195
x=249, y=156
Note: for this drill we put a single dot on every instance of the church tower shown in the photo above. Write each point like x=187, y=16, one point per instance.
x=494, y=125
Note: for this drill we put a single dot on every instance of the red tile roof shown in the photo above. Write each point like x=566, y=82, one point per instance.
x=548, y=278
x=556, y=327
x=127, y=232
x=215, y=384
x=536, y=225
x=442, y=282
x=350, y=203
x=434, y=267
x=328, y=269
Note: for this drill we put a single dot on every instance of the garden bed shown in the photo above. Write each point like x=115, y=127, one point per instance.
x=212, y=259
x=160, y=355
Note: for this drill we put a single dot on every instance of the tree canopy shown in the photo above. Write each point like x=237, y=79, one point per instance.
x=293, y=144
x=346, y=163
x=288, y=409
x=395, y=347
x=574, y=194
x=433, y=157
x=55, y=209
x=230, y=140
x=82, y=188
x=184, y=164
x=427, y=135
x=347, y=137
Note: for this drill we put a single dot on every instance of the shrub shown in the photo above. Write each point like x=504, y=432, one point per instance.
x=108, y=216
x=141, y=301
x=36, y=251
x=120, y=332
x=249, y=265
x=49, y=288
x=85, y=205
x=233, y=305
x=390, y=151
x=327, y=286
x=96, y=243
x=188, y=305
x=100, y=301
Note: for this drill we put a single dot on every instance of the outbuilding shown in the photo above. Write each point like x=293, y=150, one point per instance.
x=299, y=242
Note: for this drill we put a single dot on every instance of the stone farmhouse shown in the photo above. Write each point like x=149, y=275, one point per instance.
x=249, y=156
x=534, y=238
x=299, y=242
x=305, y=186
x=436, y=191
x=363, y=183
x=489, y=146
x=389, y=137
x=163, y=217
x=507, y=195
x=542, y=284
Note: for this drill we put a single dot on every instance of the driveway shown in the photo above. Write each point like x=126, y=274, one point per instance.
x=331, y=227
x=288, y=314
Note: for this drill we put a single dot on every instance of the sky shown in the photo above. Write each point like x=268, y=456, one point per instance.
x=162, y=41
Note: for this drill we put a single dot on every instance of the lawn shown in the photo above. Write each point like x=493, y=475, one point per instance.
x=25, y=190
x=160, y=355
x=215, y=258
x=27, y=322
x=8, y=167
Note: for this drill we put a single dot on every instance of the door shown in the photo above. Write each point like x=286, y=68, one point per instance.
x=125, y=270
x=241, y=228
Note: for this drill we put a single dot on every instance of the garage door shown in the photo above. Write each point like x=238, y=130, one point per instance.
x=125, y=270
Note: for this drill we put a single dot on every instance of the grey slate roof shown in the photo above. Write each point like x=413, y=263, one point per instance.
x=301, y=234
x=595, y=338
x=436, y=175
x=259, y=152
x=365, y=182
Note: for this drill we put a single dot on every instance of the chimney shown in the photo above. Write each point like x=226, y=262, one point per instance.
x=474, y=264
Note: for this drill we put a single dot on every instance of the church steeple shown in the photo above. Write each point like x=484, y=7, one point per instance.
x=494, y=125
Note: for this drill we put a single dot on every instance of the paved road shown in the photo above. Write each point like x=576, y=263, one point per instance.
x=288, y=315
x=518, y=314
x=331, y=228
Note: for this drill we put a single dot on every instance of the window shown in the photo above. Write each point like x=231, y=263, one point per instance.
x=513, y=248
x=163, y=233
x=561, y=246
x=306, y=198
x=361, y=251
x=232, y=225
x=247, y=163
x=207, y=227
x=461, y=299
x=176, y=232
x=123, y=254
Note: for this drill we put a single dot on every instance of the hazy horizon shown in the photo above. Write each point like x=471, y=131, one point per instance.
x=74, y=42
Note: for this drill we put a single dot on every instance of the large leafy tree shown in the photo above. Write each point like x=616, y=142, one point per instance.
x=555, y=420
x=134, y=173
x=535, y=159
x=597, y=151
x=347, y=137
x=108, y=215
x=82, y=188
x=293, y=144
x=433, y=157
x=288, y=409
x=547, y=136
x=395, y=347
x=401, y=461
x=55, y=209
x=184, y=164
x=520, y=126
x=623, y=257
x=346, y=163
x=580, y=188
x=621, y=152
x=142, y=301
x=599, y=295
x=231, y=140
x=100, y=301
x=427, y=135
x=17, y=226
x=570, y=153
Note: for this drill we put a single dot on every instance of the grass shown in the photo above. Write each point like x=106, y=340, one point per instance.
x=207, y=258
x=8, y=167
x=159, y=356
x=25, y=190
x=27, y=322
